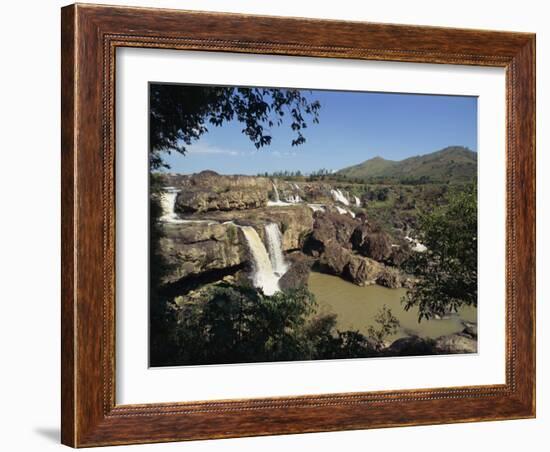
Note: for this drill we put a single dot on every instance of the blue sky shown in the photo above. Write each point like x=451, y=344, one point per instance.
x=353, y=127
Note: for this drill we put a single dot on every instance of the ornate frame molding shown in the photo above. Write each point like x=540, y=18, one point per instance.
x=90, y=37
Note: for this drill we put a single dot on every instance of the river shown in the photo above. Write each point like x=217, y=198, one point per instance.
x=356, y=307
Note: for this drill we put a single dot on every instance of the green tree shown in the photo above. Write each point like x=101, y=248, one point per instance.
x=231, y=324
x=236, y=324
x=180, y=114
x=387, y=324
x=447, y=271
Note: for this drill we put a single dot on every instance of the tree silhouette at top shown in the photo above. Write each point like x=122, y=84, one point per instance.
x=180, y=114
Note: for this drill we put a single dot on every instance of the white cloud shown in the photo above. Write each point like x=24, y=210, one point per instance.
x=203, y=148
x=283, y=153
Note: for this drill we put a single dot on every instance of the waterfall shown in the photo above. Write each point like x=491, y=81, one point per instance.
x=289, y=201
x=339, y=196
x=276, y=192
x=168, y=204
x=264, y=277
x=343, y=211
x=357, y=201
x=294, y=199
x=277, y=202
x=274, y=244
x=316, y=207
x=418, y=247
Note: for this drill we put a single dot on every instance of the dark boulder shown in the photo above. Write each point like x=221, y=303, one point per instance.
x=399, y=254
x=412, y=346
x=335, y=258
x=470, y=329
x=195, y=248
x=390, y=277
x=330, y=229
x=298, y=273
x=362, y=270
x=371, y=243
x=455, y=344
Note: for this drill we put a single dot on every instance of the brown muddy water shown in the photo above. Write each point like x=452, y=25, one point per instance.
x=357, y=306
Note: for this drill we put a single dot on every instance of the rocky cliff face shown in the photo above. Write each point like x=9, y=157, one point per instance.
x=294, y=221
x=195, y=248
x=205, y=201
x=208, y=191
x=354, y=249
x=211, y=209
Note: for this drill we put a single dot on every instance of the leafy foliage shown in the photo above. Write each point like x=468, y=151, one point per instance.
x=387, y=323
x=180, y=115
x=236, y=324
x=447, y=272
x=160, y=314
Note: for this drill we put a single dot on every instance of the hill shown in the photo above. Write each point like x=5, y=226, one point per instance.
x=451, y=164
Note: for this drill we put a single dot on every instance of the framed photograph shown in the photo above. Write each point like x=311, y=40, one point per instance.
x=281, y=225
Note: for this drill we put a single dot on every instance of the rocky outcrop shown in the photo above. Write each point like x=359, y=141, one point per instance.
x=456, y=343
x=399, y=254
x=390, y=277
x=295, y=222
x=339, y=244
x=195, y=248
x=359, y=270
x=210, y=180
x=463, y=342
x=205, y=201
x=371, y=243
x=394, y=278
x=298, y=273
x=330, y=229
x=350, y=248
x=208, y=191
x=411, y=346
x=470, y=329
x=362, y=270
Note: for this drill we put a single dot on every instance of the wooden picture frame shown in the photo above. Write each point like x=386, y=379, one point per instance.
x=90, y=36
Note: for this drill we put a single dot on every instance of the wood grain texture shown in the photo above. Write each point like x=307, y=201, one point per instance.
x=90, y=36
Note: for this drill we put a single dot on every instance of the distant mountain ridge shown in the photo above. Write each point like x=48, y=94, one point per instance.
x=451, y=164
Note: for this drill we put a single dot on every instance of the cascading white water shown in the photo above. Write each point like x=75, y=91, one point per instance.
x=294, y=199
x=418, y=246
x=343, y=211
x=264, y=277
x=339, y=197
x=168, y=204
x=275, y=247
x=277, y=201
x=357, y=201
x=316, y=207
x=275, y=192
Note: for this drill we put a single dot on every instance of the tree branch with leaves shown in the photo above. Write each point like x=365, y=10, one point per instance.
x=447, y=271
x=181, y=114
